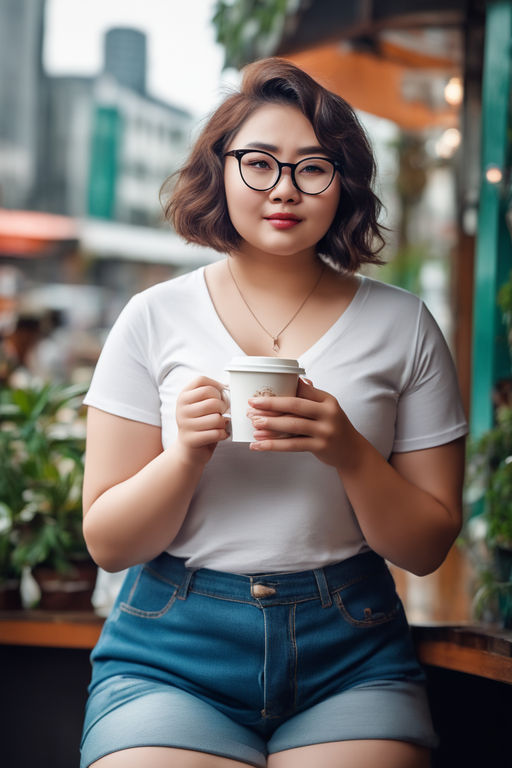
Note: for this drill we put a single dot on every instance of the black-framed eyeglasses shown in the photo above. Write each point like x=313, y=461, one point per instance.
x=261, y=171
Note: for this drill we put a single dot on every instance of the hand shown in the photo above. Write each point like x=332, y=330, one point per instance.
x=199, y=415
x=312, y=421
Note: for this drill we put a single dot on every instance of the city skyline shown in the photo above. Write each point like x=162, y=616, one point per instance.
x=181, y=41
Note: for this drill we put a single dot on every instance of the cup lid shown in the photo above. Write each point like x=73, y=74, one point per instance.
x=264, y=364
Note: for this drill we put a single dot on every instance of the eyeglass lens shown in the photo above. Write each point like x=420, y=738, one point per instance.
x=261, y=171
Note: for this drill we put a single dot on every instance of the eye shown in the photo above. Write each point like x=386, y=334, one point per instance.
x=314, y=168
x=263, y=164
x=255, y=161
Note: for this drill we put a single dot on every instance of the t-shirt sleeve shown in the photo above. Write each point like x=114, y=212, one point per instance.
x=429, y=410
x=123, y=383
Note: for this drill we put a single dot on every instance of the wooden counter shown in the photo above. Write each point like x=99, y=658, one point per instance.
x=472, y=649
x=455, y=644
x=468, y=668
x=50, y=630
x=475, y=650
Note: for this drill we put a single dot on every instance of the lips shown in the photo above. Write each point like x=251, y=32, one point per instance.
x=283, y=220
x=283, y=217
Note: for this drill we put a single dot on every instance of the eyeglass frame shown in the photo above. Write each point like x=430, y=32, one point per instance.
x=239, y=153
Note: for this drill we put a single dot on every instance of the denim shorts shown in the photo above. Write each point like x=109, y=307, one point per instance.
x=243, y=666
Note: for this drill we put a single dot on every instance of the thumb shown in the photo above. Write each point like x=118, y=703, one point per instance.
x=305, y=388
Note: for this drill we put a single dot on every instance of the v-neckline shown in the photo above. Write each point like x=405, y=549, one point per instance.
x=338, y=326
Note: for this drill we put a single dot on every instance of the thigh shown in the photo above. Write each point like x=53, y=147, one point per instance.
x=164, y=757
x=354, y=754
x=393, y=712
x=128, y=717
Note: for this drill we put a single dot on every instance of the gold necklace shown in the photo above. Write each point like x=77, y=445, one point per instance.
x=275, y=336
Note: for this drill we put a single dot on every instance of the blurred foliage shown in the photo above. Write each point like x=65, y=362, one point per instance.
x=404, y=269
x=414, y=164
x=42, y=444
x=489, y=481
x=252, y=29
x=489, y=477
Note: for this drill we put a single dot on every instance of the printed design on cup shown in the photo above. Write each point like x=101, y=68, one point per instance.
x=265, y=392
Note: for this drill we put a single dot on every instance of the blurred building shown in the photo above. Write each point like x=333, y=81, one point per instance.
x=21, y=38
x=125, y=57
x=108, y=144
x=83, y=146
x=82, y=161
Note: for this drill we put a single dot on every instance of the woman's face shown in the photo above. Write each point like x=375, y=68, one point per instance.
x=287, y=134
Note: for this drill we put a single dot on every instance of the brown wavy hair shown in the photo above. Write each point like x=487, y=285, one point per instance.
x=196, y=205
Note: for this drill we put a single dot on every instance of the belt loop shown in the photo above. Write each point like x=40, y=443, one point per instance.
x=323, y=589
x=185, y=584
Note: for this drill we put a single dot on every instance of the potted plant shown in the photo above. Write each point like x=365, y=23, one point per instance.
x=10, y=574
x=42, y=442
x=489, y=484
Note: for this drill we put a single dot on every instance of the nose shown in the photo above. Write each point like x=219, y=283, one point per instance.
x=285, y=189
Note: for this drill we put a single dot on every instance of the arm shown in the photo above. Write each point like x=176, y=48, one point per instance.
x=136, y=495
x=409, y=509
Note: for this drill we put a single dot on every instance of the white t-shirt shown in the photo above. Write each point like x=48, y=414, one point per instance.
x=384, y=359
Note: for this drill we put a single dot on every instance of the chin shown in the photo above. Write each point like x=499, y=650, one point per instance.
x=285, y=249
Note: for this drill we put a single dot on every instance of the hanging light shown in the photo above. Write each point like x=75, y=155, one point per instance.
x=453, y=91
x=493, y=174
x=447, y=143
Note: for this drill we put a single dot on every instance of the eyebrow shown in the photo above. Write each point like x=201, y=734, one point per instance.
x=312, y=150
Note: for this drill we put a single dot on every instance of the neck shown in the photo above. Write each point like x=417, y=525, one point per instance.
x=289, y=274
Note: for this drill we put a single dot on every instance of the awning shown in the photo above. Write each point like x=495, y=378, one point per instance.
x=32, y=233
x=388, y=84
x=374, y=54
x=387, y=57
x=105, y=239
x=317, y=22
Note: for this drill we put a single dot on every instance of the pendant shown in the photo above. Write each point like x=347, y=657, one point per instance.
x=275, y=346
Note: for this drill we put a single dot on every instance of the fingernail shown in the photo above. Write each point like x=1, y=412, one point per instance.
x=258, y=421
x=306, y=381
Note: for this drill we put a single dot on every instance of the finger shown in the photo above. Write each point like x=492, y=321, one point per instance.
x=263, y=434
x=286, y=425
x=208, y=437
x=306, y=390
x=254, y=412
x=204, y=407
x=204, y=381
x=299, y=406
x=282, y=445
x=200, y=393
x=203, y=423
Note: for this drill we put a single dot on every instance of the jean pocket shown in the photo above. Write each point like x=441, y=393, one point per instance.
x=151, y=595
x=369, y=601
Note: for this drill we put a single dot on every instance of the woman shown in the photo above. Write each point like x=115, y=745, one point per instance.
x=258, y=623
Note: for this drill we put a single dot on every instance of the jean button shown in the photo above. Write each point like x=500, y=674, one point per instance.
x=260, y=590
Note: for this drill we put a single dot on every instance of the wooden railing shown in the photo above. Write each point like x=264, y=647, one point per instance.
x=438, y=607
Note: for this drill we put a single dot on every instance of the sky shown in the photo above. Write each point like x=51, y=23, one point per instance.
x=184, y=61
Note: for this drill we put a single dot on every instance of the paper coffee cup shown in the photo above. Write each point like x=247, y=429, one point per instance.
x=253, y=377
